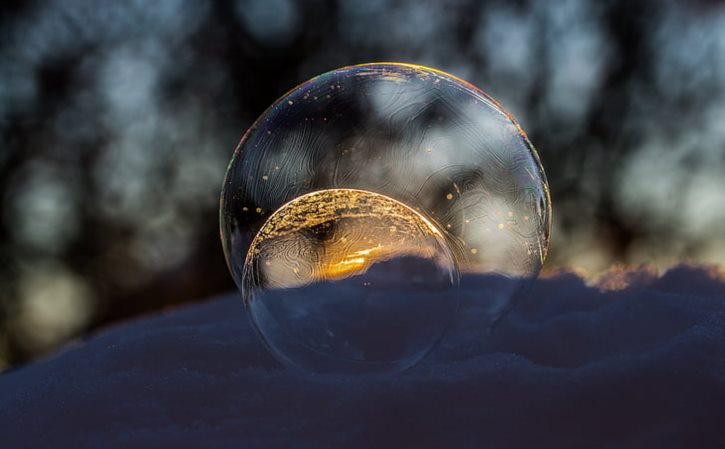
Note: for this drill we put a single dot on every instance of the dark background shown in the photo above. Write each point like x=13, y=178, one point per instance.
x=117, y=120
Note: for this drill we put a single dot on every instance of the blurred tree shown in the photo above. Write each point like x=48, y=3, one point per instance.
x=117, y=121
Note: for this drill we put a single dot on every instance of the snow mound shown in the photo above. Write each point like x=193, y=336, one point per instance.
x=638, y=364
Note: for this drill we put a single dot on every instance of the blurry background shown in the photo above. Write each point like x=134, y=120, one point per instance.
x=117, y=120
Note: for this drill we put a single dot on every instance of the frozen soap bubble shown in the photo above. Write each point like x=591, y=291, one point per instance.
x=349, y=281
x=358, y=204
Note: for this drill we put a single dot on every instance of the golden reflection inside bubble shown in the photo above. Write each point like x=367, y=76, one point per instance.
x=338, y=233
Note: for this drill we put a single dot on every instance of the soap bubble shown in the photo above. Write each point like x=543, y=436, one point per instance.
x=387, y=146
x=349, y=281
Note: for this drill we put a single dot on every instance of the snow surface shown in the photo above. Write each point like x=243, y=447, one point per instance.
x=572, y=366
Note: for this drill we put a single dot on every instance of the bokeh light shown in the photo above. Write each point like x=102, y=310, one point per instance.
x=116, y=121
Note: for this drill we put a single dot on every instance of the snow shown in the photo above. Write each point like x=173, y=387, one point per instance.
x=638, y=366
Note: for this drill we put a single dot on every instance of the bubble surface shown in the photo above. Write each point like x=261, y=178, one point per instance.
x=384, y=134
x=349, y=281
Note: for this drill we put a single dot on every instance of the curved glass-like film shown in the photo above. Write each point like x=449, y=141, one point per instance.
x=360, y=202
